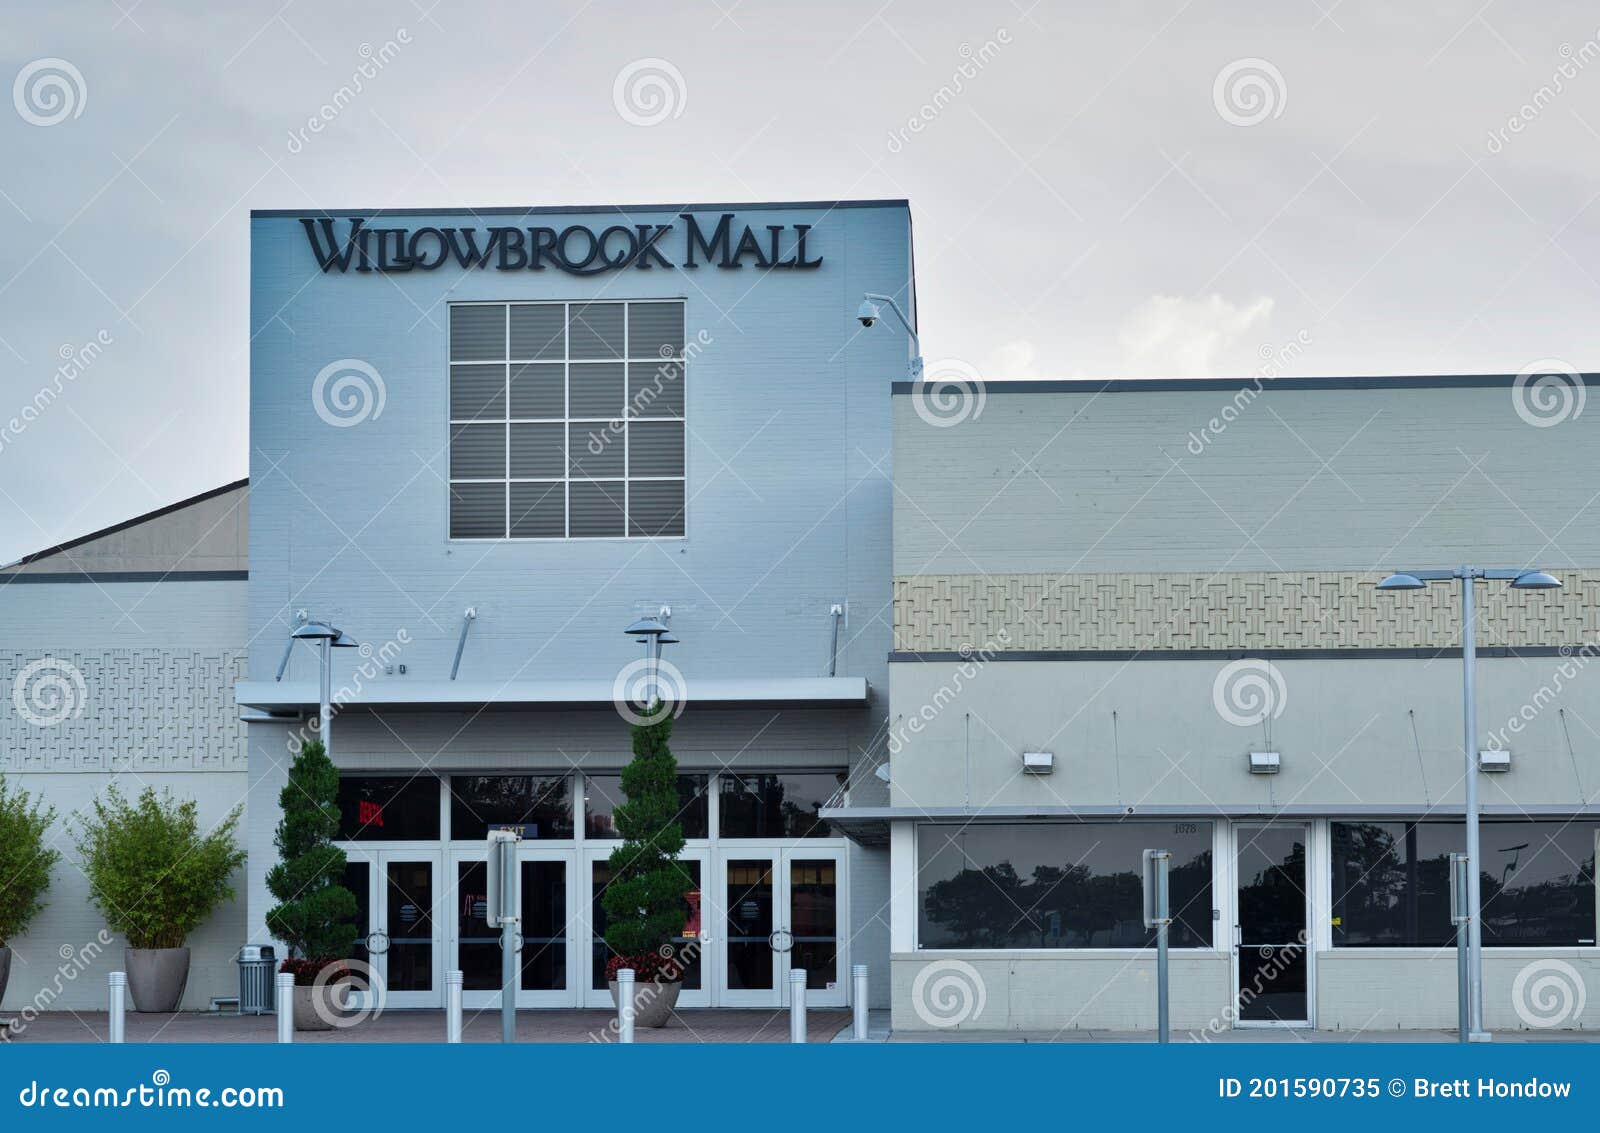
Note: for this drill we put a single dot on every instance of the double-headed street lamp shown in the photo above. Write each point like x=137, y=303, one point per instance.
x=1470, y=944
x=327, y=639
x=653, y=634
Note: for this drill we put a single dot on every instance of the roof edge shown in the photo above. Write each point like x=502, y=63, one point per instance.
x=1233, y=385
x=568, y=210
x=127, y=523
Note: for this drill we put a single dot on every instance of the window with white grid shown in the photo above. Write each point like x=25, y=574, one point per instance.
x=567, y=420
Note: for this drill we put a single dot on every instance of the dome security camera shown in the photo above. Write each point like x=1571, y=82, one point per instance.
x=867, y=313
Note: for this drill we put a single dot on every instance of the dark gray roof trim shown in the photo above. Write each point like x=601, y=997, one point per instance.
x=1231, y=385
x=127, y=523
x=573, y=210
x=103, y=576
x=1398, y=654
x=1416, y=811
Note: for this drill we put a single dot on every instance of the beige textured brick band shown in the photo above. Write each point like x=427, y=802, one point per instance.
x=1238, y=610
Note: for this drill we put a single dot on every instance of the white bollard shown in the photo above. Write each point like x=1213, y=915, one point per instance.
x=286, y=1007
x=452, y=1007
x=625, y=1005
x=858, y=974
x=117, y=1024
x=797, y=1005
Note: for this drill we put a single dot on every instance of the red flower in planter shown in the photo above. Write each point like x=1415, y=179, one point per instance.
x=649, y=967
x=305, y=972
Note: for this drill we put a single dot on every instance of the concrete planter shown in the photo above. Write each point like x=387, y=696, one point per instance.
x=5, y=971
x=652, y=1002
x=157, y=977
x=329, y=997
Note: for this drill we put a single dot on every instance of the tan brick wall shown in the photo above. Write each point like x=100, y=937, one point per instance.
x=1237, y=610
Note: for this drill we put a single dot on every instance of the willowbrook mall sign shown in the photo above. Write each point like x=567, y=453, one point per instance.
x=577, y=248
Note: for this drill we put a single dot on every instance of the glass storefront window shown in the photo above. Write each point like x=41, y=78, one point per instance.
x=776, y=805
x=1391, y=883
x=395, y=808
x=602, y=794
x=540, y=804
x=1057, y=885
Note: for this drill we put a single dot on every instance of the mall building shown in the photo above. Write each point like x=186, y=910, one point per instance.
x=1144, y=614
x=483, y=444
x=945, y=658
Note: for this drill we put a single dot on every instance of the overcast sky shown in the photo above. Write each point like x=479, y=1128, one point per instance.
x=1098, y=189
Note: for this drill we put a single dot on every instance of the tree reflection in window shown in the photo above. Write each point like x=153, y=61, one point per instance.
x=1058, y=885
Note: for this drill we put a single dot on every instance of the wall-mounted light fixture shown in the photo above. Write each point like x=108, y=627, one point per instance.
x=1038, y=762
x=1499, y=760
x=1264, y=763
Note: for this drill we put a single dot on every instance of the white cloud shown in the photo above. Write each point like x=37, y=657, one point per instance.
x=1176, y=337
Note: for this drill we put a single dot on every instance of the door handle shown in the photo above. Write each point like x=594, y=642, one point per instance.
x=377, y=942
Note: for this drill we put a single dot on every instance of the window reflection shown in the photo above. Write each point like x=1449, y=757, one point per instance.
x=1058, y=885
x=540, y=804
x=1391, y=883
x=602, y=794
x=777, y=805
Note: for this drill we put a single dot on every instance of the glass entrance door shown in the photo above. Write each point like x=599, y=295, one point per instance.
x=546, y=929
x=1271, y=957
x=780, y=909
x=397, y=898
x=689, y=949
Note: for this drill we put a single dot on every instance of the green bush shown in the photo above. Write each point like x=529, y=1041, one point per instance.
x=316, y=914
x=25, y=860
x=151, y=872
x=644, y=901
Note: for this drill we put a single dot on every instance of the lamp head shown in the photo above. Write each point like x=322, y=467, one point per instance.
x=646, y=627
x=315, y=631
x=1402, y=581
x=1536, y=580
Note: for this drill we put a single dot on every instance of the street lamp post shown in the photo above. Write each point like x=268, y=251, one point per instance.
x=327, y=639
x=652, y=634
x=1472, y=941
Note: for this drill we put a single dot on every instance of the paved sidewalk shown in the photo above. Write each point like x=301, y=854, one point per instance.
x=553, y=1026
x=1243, y=1035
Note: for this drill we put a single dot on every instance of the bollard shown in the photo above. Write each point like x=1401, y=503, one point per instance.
x=625, y=1005
x=797, y=1005
x=452, y=1007
x=285, y=1007
x=858, y=973
x=117, y=1025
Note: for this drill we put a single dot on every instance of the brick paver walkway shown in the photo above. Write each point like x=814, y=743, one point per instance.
x=554, y=1026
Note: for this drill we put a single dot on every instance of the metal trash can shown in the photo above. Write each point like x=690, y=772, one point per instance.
x=256, y=986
